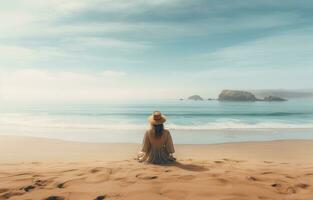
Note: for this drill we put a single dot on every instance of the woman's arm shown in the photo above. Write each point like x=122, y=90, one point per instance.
x=169, y=143
x=146, y=143
x=143, y=155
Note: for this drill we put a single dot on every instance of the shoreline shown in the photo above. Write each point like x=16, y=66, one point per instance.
x=27, y=137
x=180, y=137
x=20, y=148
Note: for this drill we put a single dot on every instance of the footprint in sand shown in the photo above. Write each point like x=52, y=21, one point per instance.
x=41, y=183
x=276, y=185
x=252, y=178
x=143, y=177
x=231, y=160
x=60, y=185
x=69, y=170
x=102, y=197
x=264, y=173
x=302, y=185
x=99, y=169
x=2, y=190
x=28, y=188
x=262, y=197
x=54, y=198
x=284, y=189
x=95, y=170
x=149, y=177
x=8, y=195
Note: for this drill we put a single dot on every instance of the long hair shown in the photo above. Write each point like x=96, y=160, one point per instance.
x=159, y=128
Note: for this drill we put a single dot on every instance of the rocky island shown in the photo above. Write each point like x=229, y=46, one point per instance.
x=236, y=95
x=273, y=98
x=195, y=98
x=239, y=95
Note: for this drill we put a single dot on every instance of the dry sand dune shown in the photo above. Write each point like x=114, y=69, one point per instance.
x=227, y=176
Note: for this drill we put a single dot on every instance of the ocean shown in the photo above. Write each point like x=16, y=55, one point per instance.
x=190, y=122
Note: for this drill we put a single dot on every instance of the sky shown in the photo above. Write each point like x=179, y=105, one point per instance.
x=97, y=50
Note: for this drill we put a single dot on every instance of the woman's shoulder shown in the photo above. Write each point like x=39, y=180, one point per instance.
x=149, y=132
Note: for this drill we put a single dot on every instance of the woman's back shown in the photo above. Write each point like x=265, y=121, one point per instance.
x=159, y=142
x=157, y=145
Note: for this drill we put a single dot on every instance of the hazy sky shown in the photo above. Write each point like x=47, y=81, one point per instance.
x=113, y=49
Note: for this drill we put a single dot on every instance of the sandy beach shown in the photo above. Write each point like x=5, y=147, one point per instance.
x=218, y=94
x=33, y=168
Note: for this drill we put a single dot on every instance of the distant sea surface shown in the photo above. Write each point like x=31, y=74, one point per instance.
x=191, y=122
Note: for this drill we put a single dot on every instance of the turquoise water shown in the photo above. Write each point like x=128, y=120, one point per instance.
x=190, y=122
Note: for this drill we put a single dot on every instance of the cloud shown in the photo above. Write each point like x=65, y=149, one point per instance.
x=15, y=55
x=291, y=49
x=15, y=52
x=49, y=85
x=60, y=26
x=15, y=19
x=142, y=20
x=112, y=73
x=110, y=43
x=38, y=85
x=145, y=38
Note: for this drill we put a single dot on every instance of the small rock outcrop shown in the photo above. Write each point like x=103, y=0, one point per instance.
x=195, y=98
x=273, y=98
x=236, y=95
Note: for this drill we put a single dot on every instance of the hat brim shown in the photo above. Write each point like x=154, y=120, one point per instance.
x=152, y=121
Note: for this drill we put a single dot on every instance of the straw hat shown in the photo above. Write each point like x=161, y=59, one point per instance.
x=157, y=118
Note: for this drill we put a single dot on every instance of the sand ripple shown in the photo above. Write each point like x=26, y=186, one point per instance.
x=223, y=179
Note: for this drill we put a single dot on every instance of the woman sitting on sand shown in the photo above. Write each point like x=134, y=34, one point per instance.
x=158, y=145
